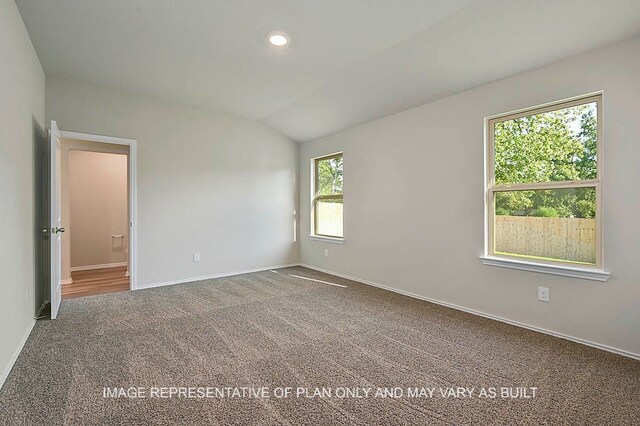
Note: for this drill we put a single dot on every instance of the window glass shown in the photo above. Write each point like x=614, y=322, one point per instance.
x=547, y=224
x=328, y=196
x=553, y=146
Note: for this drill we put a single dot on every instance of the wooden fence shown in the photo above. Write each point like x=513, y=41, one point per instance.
x=553, y=237
x=331, y=218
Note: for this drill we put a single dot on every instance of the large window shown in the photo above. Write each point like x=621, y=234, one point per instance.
x=327, y=196
x=543, y=192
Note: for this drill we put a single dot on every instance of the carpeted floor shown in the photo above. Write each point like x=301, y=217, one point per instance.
x=273, y=330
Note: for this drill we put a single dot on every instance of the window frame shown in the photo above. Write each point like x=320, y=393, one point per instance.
x=315, y=198
x=548, y=266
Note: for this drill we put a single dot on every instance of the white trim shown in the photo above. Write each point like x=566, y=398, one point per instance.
x=562, y=184
x=312, y=207
x=102, y=266
x=327, y=155
x=67, y=281
x=550, y=104
x=485, y=315
x=332, y=240
x=210, y=277
x=16, y=354
x=562, y=270
x=133, y=193
x=96, y=138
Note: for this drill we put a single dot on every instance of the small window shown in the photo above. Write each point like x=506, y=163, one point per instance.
x=327, y=196
x=543, y=192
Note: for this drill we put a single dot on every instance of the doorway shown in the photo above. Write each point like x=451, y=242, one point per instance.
x=95, y=199
x=93, y=182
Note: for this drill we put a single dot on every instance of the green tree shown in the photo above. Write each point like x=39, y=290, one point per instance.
x=553, y=146
x=330, y=176
x=586, y=161
x=544, y=211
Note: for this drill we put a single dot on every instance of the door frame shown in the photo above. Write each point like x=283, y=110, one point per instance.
x=133, y=194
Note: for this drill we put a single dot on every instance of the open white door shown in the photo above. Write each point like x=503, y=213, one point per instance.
x=56, y=223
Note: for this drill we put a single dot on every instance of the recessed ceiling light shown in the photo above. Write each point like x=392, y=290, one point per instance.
x=278, y=38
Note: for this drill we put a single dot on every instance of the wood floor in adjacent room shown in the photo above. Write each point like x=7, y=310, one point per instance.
x=96, y=281
x=291, y=328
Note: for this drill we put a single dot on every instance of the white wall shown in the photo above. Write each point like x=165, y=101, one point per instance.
x=210, y=183
x=21, y=128
x=99, y=208
x=413, y=202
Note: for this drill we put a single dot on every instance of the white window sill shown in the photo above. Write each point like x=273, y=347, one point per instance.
x=563, y=270
x=332, y=240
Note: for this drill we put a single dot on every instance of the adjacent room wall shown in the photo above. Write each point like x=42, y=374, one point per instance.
x=208, y=183
x=21, y=135
x=99, y=208
x=413, y=202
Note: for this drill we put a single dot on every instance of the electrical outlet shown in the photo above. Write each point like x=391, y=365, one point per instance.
x=326, y=252
x=543, y=294
x=196, y=257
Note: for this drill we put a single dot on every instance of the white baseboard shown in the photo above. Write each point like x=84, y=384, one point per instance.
x=89, y=267
x=67, y=281
x=485, y=315
x=209, y=277
x=8, y=368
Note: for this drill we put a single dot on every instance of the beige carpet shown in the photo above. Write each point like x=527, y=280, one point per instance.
x=273, y=330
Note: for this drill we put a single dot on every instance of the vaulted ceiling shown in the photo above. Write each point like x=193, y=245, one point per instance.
x=349, y=61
